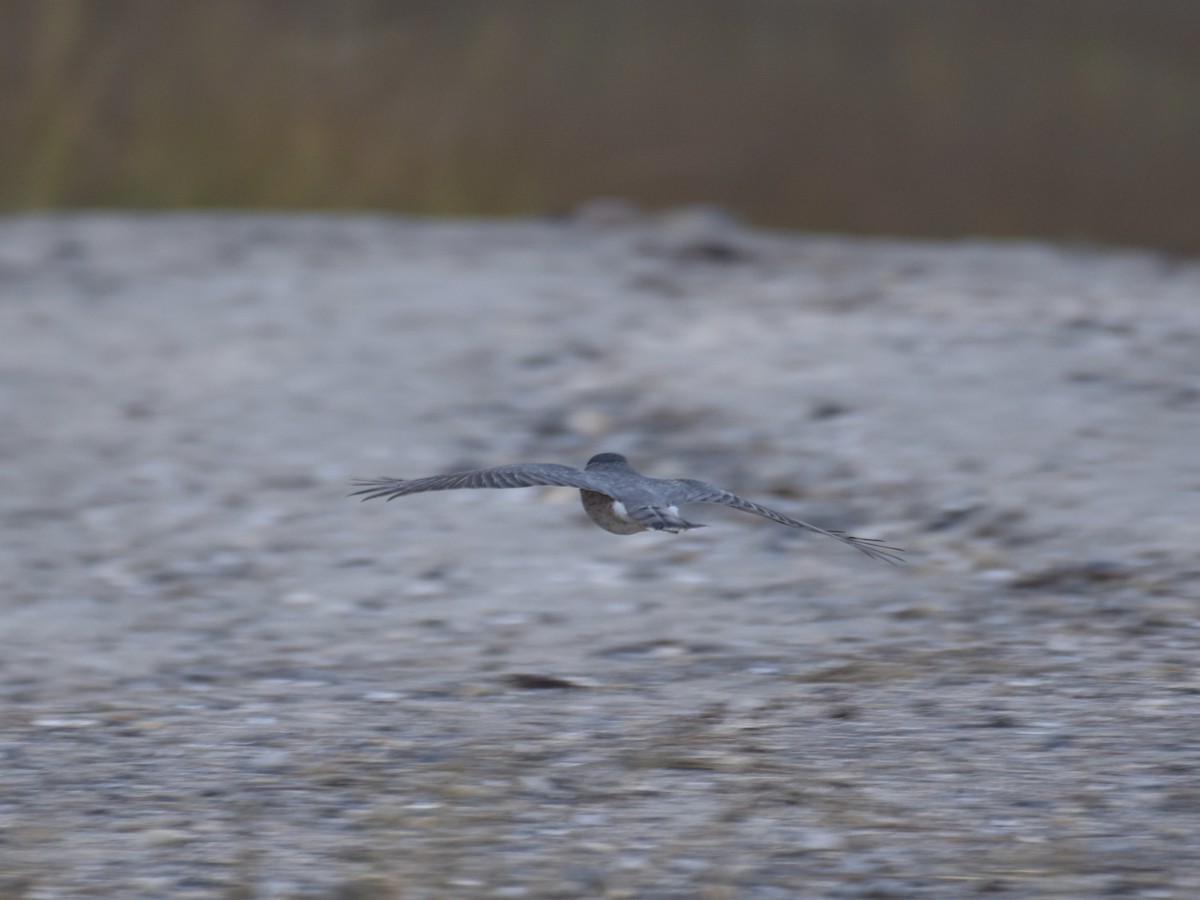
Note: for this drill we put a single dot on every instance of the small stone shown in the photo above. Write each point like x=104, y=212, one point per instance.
x=820, y=839
x=165, y=837
x=54, y=722
x=382, y=696
x=532, y=681
x=589, y=423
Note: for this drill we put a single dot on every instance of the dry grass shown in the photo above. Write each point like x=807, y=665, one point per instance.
x=1063, y=119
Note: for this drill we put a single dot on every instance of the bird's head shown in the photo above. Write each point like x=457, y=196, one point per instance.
x=607, y=459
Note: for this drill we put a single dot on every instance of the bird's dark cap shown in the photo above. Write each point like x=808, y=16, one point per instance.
x=602, y=458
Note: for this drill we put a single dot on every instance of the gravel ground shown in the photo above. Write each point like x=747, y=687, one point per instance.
x=223, y=678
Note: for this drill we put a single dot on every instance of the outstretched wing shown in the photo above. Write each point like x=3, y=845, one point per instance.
x=513, y=476
x=699, y=492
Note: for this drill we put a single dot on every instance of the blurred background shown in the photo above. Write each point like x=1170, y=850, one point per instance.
x=220, y=677
x=1069, y=120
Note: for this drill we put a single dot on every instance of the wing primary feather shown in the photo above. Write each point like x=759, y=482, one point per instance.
x=872, y=547
x=513, y=476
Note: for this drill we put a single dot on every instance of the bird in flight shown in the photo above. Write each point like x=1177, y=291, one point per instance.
x=615, y=497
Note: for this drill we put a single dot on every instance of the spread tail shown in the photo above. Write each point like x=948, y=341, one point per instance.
x=656, y=518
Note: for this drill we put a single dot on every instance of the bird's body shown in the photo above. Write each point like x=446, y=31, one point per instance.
x=615, y=496
x=609, y=514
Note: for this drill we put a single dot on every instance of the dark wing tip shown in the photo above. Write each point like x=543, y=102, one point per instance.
x=874, y=548
x=376, y=487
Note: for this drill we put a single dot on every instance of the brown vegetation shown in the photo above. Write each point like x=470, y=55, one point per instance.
x=1065, y=119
